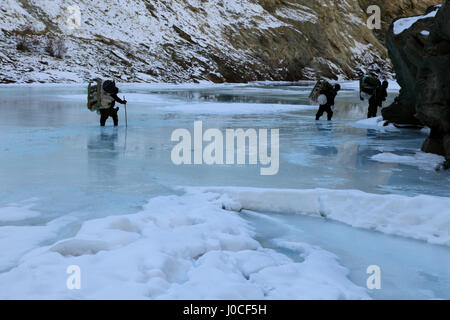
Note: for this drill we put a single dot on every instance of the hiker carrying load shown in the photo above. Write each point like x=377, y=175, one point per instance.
x=376, y=92
x=324, y=94
x=102, y=97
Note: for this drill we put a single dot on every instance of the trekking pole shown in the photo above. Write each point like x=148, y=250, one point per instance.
x=126, y=120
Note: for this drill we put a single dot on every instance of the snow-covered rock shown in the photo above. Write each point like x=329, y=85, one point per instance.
x=401, y=25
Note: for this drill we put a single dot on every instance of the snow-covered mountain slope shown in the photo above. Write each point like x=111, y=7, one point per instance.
x=192, y=40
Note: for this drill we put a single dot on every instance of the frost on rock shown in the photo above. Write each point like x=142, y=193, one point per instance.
x=403, y=24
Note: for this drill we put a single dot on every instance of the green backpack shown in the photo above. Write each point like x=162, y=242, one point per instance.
x=368, y=86
x=97, y=97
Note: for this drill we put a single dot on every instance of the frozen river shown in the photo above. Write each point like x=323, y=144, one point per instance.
x=60, y=169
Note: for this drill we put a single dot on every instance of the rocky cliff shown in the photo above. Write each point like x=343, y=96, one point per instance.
x=192, y=40
x=419, y=48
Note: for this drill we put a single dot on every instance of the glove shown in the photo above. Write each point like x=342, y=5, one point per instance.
x=124, y=101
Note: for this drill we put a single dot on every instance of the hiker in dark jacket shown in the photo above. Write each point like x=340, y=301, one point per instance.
x=331, y=95
x=111, y=111
x=377, y=100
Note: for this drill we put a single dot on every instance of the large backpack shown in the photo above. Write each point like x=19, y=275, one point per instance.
x=368, y=86
x=98, y=98
x=321, y=86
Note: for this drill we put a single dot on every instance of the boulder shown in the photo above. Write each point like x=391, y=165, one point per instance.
x=419, y=48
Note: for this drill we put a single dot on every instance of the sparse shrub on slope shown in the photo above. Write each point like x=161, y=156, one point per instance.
x=24, y=38
x=55, y=47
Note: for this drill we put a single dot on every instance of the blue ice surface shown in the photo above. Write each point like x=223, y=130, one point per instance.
x=53, y=149
x=410, y=269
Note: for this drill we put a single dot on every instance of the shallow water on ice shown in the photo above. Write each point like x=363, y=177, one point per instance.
x=57, y=162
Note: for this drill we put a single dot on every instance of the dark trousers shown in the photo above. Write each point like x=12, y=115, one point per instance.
x=106, y=113
x=373, y=109
x=322, y=109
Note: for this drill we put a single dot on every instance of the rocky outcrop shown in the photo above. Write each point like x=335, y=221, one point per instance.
x=194, y=40
x=419, y=48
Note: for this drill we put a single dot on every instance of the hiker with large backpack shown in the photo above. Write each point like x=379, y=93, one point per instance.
x=376, y=101
x=110, y=87
x=376, y=92
x=326, y=97
x=102, y=97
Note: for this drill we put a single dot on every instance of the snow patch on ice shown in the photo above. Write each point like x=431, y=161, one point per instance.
x=177, y=247
x=15, y=241
x=422, y=160
x=422, y=217
x=17, y=212
x=376, y=123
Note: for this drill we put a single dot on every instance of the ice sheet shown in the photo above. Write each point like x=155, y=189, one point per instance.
x=97, y=179
x=236, y=108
